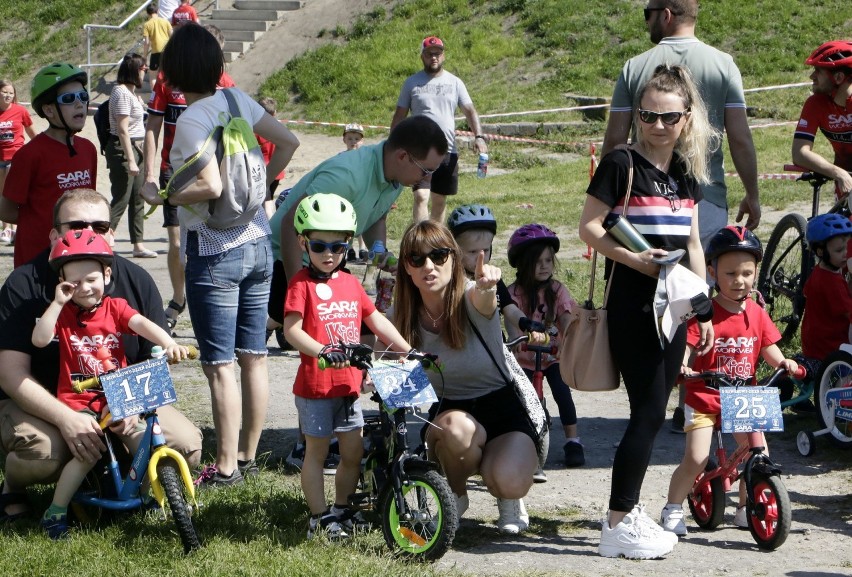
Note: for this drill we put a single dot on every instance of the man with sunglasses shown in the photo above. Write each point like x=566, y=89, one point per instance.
x=671, y=26
x=53, y=162
x=436, y=93
x=39, y=433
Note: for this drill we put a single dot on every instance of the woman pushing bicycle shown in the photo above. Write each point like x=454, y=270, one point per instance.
x=744, y=334
x=89, y=326
x=480, y=424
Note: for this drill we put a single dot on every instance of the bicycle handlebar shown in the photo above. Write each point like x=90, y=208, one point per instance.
x=361, y=356
x=94, y=382
x=546, y=347
x=715, y=379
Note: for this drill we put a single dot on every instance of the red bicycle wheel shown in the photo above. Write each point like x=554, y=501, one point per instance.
x=770, y=522
x=707, y=502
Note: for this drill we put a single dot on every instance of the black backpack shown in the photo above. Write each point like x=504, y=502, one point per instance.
x=102, y=124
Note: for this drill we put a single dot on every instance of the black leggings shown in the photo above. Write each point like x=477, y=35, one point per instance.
x=649, y=372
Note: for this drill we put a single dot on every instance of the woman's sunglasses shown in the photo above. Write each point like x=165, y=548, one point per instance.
x=337, y=247
x=70, y=97
x=438, y=257
x=670, y=118
x=99, y=226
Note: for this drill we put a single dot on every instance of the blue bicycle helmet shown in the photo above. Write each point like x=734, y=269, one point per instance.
x=471, y=216
x=823, y=227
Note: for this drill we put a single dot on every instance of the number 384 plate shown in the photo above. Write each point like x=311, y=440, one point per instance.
x=138, y=388
x=747, y=409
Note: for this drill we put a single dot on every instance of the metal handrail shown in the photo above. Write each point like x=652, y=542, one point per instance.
x=89, y=27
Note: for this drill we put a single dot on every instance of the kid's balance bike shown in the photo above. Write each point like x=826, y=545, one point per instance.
x=139, y=390
x=749, y=410
x=413, y=500
x=833, y=401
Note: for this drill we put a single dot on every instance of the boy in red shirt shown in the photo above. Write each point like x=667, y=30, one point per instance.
x=744, y=334
x=53, y=162
x=183, y=14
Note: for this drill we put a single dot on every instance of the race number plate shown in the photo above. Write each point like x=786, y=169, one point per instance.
x=747, y=409
x=402, y=384
x=138, y=388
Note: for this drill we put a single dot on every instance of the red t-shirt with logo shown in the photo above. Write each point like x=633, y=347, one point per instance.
x=183, y=14
x=820, y=112
x=739, y=338
x=13, y=120
x=331, y=312
x=42, y=171
x=79, y=345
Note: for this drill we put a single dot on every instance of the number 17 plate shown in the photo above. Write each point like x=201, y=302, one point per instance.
x=747, y=409
x=138, y=388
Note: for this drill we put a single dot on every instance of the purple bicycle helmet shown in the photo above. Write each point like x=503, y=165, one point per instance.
x=823, y=227
x=527, y=235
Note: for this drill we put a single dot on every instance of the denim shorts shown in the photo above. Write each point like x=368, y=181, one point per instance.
x=227, y=295
x=323, y=417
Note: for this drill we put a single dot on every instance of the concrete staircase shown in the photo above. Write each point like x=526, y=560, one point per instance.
x=247, y=21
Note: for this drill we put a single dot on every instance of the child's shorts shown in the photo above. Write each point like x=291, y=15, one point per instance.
x=324, y=417
x=695, y=420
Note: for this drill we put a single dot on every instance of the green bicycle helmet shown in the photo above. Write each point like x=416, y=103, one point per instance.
x=326, y=212
x=46, y=83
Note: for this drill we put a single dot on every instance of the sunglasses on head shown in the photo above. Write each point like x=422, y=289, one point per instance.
x=319, y=247
x=438, y=257
x=670, y=118
x=99, y=226
x=70, y=97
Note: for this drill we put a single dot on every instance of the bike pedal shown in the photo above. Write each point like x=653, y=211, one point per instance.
x=360, y=501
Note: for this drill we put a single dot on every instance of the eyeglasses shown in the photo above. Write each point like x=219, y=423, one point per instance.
x=337, y=247
x=649, y=11
x=99, y=226
x=670, y=118
x=70, y=97
x=426, y=171
x=438, y=257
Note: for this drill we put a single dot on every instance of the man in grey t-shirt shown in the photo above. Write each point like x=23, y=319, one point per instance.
x=435, y=93
x=671, y=26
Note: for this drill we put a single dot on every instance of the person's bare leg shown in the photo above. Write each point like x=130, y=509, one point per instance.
x=346, y=477
x=227, y=409
x=21, y=473
x=254, y=378
x=176, y=273
x=458, y=446
x=439, y=208
x=508, y=464
x=420, y=209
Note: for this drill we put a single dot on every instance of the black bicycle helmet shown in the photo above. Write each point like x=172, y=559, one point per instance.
x=471, y=216
x=731, y=239
x=823, y=227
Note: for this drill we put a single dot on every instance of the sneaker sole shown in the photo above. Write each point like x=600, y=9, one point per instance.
x=613, y=551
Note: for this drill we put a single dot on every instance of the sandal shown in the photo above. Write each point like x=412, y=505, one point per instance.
x=8, y=499
x=171, y=321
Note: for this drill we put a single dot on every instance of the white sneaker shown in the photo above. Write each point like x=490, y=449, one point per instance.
x=539, y=476
x=741, y=518
x=462, y=503
x=672, y=520
x=633, y=540
x=513, y=516
x=642, y=518
x=6, y=236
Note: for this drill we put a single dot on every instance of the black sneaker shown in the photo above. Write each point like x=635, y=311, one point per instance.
x=211, y=477
x=350, y=519
x=574, y=456
x=248, y=468
x=329, y=467
x=678, y=421
x=282, y=342
x=296, y=456
x=328, y=524
x=363, y=255
x=350, y=255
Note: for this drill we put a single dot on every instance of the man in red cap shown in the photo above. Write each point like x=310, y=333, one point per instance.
x=436, y=93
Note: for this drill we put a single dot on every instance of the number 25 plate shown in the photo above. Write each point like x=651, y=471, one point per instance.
x=402, y=384
x=747, y=409
x=138, y=388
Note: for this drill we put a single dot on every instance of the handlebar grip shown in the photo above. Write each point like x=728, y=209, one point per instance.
x=192, y=352
x=322, y=363
x=90, y=383
x=800, y=373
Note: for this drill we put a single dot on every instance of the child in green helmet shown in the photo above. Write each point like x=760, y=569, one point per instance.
x=324, y=307
x=53, y=162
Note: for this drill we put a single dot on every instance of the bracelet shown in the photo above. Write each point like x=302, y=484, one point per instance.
x=486, y=291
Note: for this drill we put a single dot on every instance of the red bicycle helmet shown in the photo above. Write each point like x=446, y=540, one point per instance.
x=528, y=234
x=78, y=245
x=731, y=239
x=834, y=54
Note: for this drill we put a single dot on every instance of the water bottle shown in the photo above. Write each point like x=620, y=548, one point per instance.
x=157, y=351
x=482, y=168
x=377, y=252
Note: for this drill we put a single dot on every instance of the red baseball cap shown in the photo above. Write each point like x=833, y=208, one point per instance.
x=431, y=42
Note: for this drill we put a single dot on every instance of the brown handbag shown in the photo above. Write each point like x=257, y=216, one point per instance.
x=585, y=359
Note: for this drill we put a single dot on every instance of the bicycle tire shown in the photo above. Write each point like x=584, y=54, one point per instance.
x=787, y=262
x=836, y=371
x=708, y=505
x=181, y=510
x=429, y=533
x=770, y=523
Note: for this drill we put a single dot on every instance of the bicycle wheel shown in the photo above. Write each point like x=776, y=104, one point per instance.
x=181, y=510
x=707, y=504
x=426, y=529
x=836, y=372
x=786, y=265
x=770, y=523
